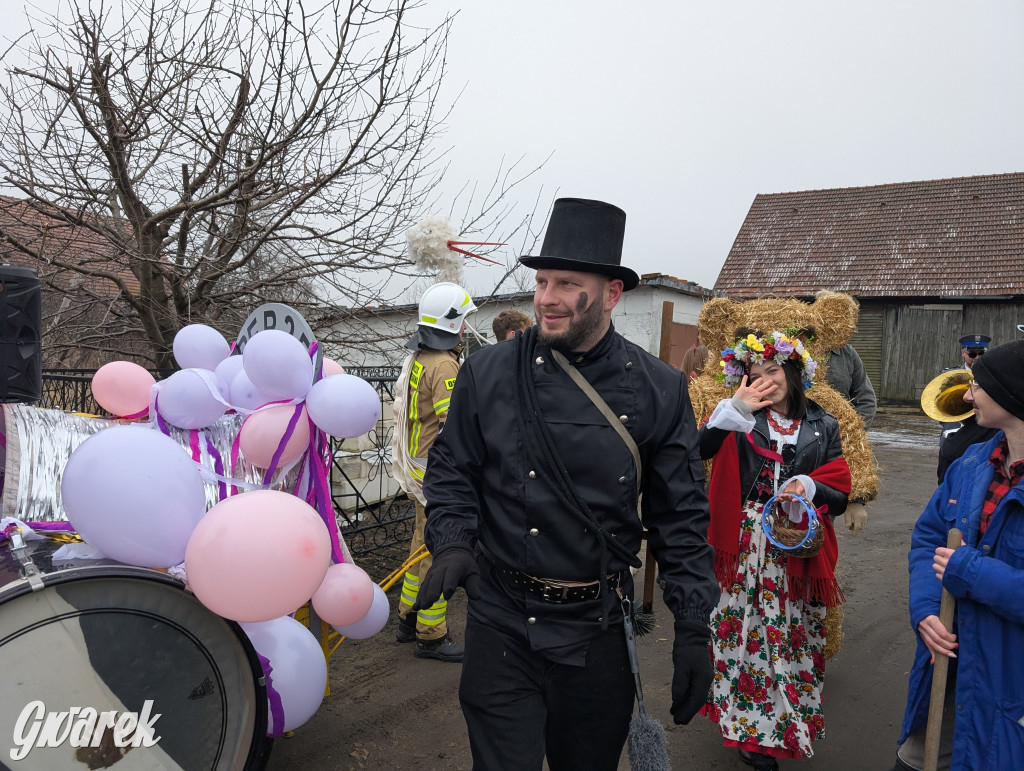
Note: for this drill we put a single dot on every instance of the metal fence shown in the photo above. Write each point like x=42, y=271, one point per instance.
x=370, y=517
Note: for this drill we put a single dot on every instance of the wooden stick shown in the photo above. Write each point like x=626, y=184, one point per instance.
x=933, y=732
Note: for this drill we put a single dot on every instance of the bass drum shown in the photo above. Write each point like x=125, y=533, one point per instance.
x=112, y=637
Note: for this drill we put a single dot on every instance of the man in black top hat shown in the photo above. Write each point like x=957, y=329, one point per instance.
x=535, y=511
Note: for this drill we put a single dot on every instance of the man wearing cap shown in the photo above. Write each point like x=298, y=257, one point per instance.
x=534, y=510
x=422, y=399
x=956, y=437
x=973, y=346
x=982, y=496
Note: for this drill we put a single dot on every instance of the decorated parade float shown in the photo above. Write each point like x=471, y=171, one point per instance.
x=154, y=565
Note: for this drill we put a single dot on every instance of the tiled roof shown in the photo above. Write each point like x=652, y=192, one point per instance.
x=947, y=238
x=51, y=236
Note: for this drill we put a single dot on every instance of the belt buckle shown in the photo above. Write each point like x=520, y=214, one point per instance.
x=553, y=592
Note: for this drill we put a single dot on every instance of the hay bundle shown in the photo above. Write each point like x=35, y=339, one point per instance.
x=833, y=631
x=828, y=324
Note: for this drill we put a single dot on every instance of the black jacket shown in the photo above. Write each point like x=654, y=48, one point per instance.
x=817, y=443
x=956, y=443
x=481, y=489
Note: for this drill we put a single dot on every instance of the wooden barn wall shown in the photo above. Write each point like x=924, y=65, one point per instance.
x=905, y=345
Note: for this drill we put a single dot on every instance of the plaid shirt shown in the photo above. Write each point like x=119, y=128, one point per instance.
x=1001, y=482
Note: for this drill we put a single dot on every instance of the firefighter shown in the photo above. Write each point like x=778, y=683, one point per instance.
x=422, y=396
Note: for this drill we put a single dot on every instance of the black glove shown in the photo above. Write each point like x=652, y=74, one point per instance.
x=693, y=673
x=454, y=566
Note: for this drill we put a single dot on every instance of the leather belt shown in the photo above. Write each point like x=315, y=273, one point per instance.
x=554, y=590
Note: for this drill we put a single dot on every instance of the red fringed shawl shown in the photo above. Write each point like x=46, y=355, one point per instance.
x=811, y=578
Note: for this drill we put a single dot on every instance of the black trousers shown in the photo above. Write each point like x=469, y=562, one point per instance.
x=519, y=706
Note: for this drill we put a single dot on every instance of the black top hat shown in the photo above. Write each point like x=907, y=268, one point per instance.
x=586, y=236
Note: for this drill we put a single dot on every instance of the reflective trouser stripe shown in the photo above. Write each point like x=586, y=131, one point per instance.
x=418, y=468
x=410, y=588
x=433, y=615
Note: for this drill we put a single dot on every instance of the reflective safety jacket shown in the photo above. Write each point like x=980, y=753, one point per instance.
x=423, y=396
x=482, y=490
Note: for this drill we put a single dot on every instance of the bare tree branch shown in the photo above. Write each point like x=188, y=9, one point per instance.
x=192, y=160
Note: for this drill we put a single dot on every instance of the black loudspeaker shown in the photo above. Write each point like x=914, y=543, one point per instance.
x=21, y=343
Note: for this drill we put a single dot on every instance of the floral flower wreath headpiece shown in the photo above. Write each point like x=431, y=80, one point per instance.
x=776, y=346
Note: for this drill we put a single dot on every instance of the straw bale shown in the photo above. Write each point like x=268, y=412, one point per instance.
x=832, y=317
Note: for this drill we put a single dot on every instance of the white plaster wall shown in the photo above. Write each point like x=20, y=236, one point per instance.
x=637, y=317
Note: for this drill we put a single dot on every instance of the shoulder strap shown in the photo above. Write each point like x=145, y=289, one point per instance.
x=602, y=405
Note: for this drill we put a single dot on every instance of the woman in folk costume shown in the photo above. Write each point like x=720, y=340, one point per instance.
x=768, y=632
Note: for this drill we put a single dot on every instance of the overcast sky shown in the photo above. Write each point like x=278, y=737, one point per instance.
x=681, y=112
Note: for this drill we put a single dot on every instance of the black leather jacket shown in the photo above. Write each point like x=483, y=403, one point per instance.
x=817, y=443
x=481, y=489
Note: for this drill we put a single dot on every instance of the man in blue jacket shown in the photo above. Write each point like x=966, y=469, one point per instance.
x=983, y=719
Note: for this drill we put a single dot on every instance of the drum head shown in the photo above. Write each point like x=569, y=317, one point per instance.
x=114, y=638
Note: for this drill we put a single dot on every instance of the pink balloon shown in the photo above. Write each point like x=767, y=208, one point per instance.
x=376, y=618
x=343, y=405
x=278, y=363
x=122, y=388
x=199, y=346
x=345, y=595
x=331, y=367
x=258, y=555
x=263, y=431
x=299, y=669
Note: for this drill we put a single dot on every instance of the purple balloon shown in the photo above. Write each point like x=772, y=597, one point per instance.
x=229, y=368
x=299, y=669
x=247, y=395
x=191, y=398
x=344, y=406
x=200, y=346
x=134, y=494
x=279, y=364
x=374, y=620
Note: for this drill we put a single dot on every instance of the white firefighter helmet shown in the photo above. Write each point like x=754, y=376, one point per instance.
x=443, y=309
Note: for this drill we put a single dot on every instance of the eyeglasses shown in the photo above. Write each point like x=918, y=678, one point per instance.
x=974, y=354
x=973, y=387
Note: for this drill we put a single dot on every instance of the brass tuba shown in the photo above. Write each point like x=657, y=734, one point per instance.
x=943, y=398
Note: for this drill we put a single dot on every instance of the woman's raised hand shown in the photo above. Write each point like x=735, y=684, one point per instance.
x=755, y=394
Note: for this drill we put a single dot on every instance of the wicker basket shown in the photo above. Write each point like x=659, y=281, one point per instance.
x=796, y=542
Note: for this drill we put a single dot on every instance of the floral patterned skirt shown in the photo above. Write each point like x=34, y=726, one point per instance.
x=767, y=651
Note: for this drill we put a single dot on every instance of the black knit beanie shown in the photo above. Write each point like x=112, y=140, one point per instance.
x=1000, y=372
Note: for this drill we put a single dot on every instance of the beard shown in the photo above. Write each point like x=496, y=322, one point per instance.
x=583, y=326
